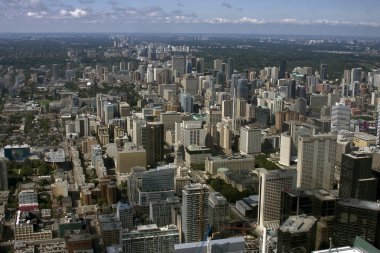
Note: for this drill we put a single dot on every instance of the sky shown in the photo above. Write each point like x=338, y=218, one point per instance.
x=322, y=17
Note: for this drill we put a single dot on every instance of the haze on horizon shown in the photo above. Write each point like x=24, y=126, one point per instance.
x=312, y=17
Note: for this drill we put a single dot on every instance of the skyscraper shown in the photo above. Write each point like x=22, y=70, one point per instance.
x=297, y=234
x=340, y=117
x=271, y=185
x=218, y=211
x=178, y=66
x=356, y=217
x=3, y=175
x=153, y=142
x=187, y=102
x=55, y=72
x=356, y=75
x=316, y=161
x=200, y=65
x=323, y=72
x=250, y=140
x=356, y=178
x=282, y=71
x=194, y=211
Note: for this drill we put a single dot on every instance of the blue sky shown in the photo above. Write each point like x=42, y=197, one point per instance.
x=340, y=17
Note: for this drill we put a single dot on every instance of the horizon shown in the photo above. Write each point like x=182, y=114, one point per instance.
x=322, y=17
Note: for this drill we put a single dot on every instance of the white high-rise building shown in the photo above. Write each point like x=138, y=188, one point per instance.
x=316, y=161
x=194, y=211
x=356, y=75
x=340, y=117
x=250, y=140
x=271, y=184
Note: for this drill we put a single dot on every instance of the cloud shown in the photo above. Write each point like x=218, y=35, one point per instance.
x=76, y=13
x=36, y=14
x=86, y=1
x=180, y=4
x=227, y=5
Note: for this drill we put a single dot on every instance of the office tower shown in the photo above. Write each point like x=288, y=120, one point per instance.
x=111, y=193
x=200, y=65
x=242, y=91
x=340, y=117
x=55, y=72
x=219, y=209
x=230, y=68
x=178, y=66
x=154, y=142
x=82, y=126
x=190, y=84
x=169, y=119
x=190, y=133
x=227, y=108
x=218, y=63
x=282, y=71
x=162, y=212
x=110, y=229
x=124, y=212
x=316, y=161
x=300, y=106
x=109, y=112
x=187, y=102
x=323, y=72
x=262, y=115
x=131, y=156
x=3, y=175
x=356, y=177
x=356, y=75
x=271, y=185
x=194, y=212
x=124, y=109
x=150, y=238
x=316, y=202
x=250, y=140
x=356, y=217
x=297, y=234
x=291, y=90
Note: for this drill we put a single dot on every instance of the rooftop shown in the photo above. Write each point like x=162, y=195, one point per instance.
x=298, y=224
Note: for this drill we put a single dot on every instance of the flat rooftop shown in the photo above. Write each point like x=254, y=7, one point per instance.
x=298, y=224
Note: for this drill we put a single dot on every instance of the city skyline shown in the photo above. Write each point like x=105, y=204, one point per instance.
x=267, y=17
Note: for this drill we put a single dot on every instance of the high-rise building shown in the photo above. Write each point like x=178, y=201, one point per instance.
x=323, y=72
x=316, y=161
x=250, y=140
x=282, y=71
x=195, y=206
x=356, y=177
x=218, y=65
x=124, y=212
x=54, y=76
x=150, y=238
x=178, y=66
x=154, y=142
x=356, y=75
x=356, y=217
x=162, y=212
x=297, y=234
x=230, y=68
x=3, y=175
x=200, y=67
x=340, y=117
x=124, y=109
x=291, y=90
x=271, y=185
x=110, y=229
x=131, y=156
x=187, y=102
x=82, y=126
x=219, y=209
